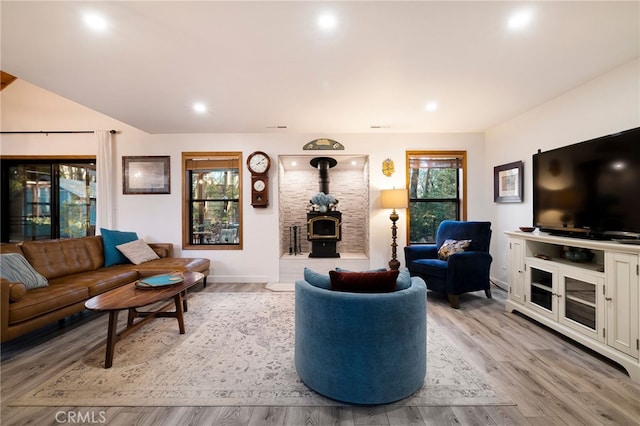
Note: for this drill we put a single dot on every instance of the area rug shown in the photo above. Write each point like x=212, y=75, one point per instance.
x=237, y=351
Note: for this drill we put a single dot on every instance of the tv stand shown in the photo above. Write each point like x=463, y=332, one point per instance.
x=593, y=302
x=626, y=241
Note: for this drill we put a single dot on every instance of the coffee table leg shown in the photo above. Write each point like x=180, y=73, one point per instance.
x=112, y=338
x=179, y=312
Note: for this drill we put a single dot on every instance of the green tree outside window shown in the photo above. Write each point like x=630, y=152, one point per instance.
x=436, y=189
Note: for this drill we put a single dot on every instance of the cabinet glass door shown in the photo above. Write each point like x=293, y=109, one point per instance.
x=542, y=288
x=581, y=304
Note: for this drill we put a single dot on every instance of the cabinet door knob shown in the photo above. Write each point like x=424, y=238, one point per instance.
x=608, y=299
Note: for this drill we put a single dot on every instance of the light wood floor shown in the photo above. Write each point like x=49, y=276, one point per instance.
x=552, y=380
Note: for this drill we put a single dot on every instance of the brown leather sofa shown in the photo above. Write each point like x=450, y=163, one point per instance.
x=75, y=270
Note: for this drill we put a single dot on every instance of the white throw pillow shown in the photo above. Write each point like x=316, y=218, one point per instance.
x=137, y=252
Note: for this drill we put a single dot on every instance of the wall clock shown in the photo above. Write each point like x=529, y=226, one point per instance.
x=258, y=164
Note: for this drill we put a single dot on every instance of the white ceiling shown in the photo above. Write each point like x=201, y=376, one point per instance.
x=262, y=64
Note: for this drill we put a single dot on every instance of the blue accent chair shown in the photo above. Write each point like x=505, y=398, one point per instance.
x=463, y=272
x=361, y=348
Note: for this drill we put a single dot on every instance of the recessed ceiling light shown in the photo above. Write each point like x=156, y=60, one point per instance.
x=327, y=21
x=520, y=19
x=619, y=165
x=293, y=163
x=95, y=21
x=431, y=106
x=199, y=107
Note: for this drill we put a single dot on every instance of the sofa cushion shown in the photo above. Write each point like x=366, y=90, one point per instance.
x=57, y=258
x=430, y=267
x=137, y=252
x=364, y=282
x=317, y=279
x=450, y=247
x=41, y=301
x=15, y=268
x=100, y=280
x=160, y=251
x=94, y=250
x=111, y=239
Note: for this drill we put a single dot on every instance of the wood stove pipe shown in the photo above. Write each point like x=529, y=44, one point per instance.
x=323, y=164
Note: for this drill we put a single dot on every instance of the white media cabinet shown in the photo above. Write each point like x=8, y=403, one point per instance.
x=593, y=302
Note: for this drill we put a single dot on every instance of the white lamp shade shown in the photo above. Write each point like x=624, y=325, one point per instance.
x=394, y=199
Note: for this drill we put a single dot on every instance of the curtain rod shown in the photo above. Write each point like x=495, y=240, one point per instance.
x=46, y=132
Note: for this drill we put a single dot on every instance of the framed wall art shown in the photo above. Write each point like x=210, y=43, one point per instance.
x=508, y=183
x=146, y=175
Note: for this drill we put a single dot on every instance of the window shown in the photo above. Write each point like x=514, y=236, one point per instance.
x=48, y=198
x=212, y=211
x=437, y=190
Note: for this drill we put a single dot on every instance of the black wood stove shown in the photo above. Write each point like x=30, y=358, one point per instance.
x=324, y=228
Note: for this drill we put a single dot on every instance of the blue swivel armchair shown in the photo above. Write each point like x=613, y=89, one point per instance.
x=463, y=271
x=361, y=348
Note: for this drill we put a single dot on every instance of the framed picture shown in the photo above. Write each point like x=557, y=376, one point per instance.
x=146, y=175
x=508, y=183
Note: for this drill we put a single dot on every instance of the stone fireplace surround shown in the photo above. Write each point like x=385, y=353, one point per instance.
x=349, y=183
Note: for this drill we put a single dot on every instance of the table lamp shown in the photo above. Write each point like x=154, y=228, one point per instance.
x=394, y=199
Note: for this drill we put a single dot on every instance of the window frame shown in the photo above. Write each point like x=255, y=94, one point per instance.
x=187, y=200
x=461, y=190
x=48, y=160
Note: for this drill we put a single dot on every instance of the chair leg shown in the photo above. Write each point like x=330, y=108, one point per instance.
x=454, y=301
x=488, y=293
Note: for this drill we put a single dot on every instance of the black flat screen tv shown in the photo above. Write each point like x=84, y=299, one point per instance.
x=590, y=189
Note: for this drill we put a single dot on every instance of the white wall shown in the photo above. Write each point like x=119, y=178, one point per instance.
x=158, y=217
x=605, y=105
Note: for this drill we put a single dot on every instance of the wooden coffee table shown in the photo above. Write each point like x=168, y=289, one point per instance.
x=130, y=297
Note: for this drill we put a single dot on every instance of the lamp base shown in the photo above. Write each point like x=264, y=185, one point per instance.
x=394, y=264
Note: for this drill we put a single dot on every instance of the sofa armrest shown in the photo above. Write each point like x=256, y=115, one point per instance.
x=420, y=251
x=5, y=299
x=162, y=249
x=15, y=290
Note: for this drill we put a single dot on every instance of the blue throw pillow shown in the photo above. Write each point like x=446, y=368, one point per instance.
x=111, y=239
x=15, y=268
x=404, y=280
x=316, y=279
